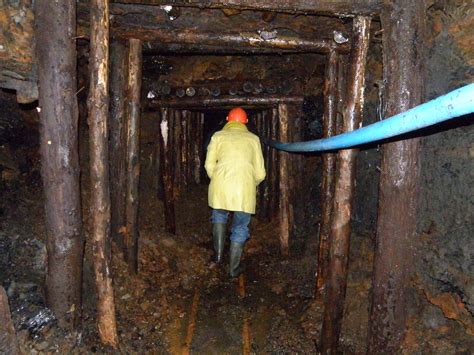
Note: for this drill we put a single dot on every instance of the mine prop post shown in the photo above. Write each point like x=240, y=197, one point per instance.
x=344, y=188
x=328, y=167
x=98, y=103
x=133, y=153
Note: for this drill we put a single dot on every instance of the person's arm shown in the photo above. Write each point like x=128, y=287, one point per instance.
x=211, y=157
x=259, y=167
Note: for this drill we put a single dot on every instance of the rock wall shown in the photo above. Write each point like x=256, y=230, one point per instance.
x=446, y=220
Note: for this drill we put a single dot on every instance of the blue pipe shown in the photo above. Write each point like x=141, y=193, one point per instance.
x=454, y=104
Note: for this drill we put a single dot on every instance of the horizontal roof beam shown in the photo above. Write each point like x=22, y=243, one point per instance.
x=223, y=101
x=228, y=40
x=332, y=7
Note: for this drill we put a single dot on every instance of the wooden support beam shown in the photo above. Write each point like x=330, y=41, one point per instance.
x=56, y=53
x=223, y=101
x=344, y=189
x=399, y=181
x=196, y=119
x=166, y=162
x=268, y=163
x=98, y=102
x=176, y=146
x=134, y=83
x=118, y=140
x=275, y=167
x=229, y=40
x=284, y=202
x=334, y=7
x=329, y=166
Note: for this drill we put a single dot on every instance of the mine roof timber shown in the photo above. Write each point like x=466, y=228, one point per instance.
x=330, y=7
x=222, y=102
x=229, y=40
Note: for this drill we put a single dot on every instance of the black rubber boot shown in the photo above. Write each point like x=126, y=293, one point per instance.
x=235, y=268
x=218, y=236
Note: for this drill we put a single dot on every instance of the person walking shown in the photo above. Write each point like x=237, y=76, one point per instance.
x=235, y=165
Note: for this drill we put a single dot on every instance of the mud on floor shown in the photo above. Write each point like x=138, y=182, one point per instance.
x=181, y=303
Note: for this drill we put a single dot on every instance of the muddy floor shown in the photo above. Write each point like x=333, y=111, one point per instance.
x=180, y=303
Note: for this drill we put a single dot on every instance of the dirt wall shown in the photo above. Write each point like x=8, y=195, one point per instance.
x=445, y=263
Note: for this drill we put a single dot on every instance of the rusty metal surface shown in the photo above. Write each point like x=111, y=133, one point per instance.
x=399, y=180
x=56, y=50
x=343, y=193
x=98, y=104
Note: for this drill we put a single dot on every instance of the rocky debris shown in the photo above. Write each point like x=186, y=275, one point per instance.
x=8, y=339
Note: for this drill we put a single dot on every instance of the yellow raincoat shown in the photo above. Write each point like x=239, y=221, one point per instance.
x=234, y=163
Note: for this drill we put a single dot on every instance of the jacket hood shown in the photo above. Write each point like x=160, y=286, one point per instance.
x=235, y=125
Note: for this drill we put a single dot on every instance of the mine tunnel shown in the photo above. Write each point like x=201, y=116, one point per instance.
x=108, y=114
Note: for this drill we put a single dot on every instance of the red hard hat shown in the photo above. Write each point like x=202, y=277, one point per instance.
x=238, y=115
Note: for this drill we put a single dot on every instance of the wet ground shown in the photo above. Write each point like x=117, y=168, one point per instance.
x=180, y=303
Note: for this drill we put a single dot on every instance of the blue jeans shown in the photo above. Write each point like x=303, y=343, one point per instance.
x=240, y=224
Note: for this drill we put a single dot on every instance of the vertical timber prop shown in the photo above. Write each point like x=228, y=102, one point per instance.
x=396, y=226
x=343, y=193
x=275, y=168
x=133, y=153
x=118, y=140
x=196, y=147
x=267, y=156
x=329, y=166
x=166, y=153
x=176, y=146
x=284, y=199
x=98, y=102
x=56, y=53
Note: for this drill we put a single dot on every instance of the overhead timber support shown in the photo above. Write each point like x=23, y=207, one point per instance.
x=228, y=40
x=399, y=181
x=223, y=101
x=56, y=51
x=343, y=192
x=98, y=103
x=337, y=7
